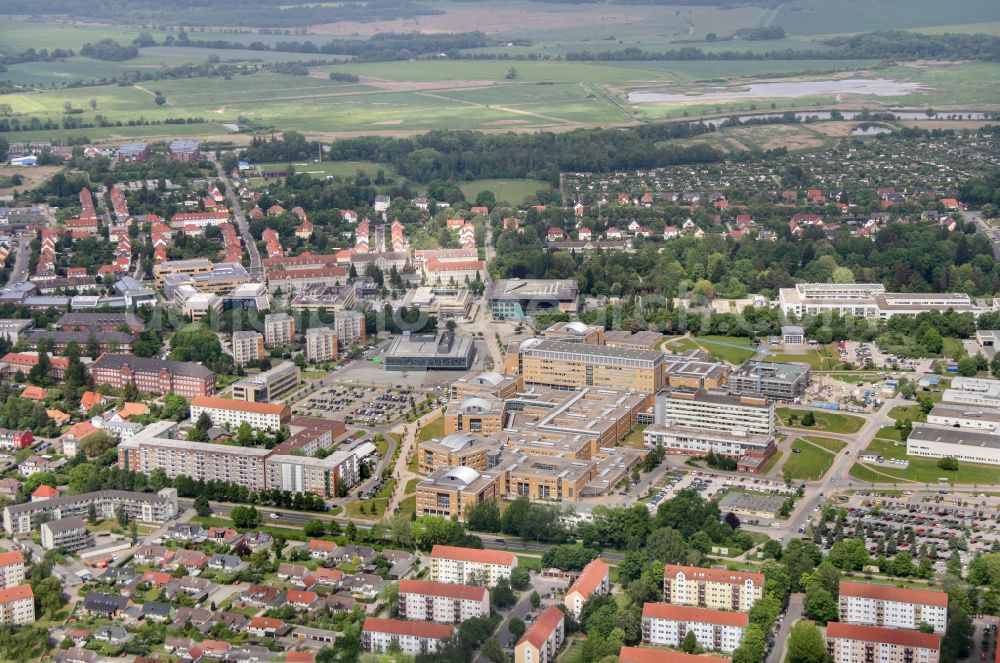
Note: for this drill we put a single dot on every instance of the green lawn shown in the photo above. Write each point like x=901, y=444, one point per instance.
x=919, y=470
x=826, y=421
x=573, y=653
x=771, y=462
x=380, y=501
x=811, y=463
x=911, y=412
x=827, y=443
x=529, y=562
x=512, y=191
x=824, y=358
x=722, y=347
x=431, y=430
x=890, y=433
x=679, y=345
x=634, y=438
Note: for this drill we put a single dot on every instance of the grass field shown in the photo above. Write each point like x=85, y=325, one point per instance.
x=814, y=458
x=830, y=422
x=911, y=412
x=819, y=359
x=919, y=470
x=722, y=347
x=431, y=430
x=510, y=191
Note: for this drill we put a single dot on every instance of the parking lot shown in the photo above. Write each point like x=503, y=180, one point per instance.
x=941, y=521
x=368, y=406
x=712, y=486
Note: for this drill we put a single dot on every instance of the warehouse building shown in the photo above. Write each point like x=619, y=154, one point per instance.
x=928, y=441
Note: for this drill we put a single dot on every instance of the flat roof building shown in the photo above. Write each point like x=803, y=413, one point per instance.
x=269, y=385
x=930, y=441
x=576, y=332
x=563, y=365
x=640, y=340
x=778, y=381
x=516, y=299
x=870, y=300
x=444, y=351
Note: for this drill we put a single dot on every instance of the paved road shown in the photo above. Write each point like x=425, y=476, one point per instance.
x=794, y=613
x=241, y=220
x=19, y=272
x=991, y=233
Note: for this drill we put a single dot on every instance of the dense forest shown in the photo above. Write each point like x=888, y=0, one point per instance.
x=469, y=155
x=885, y=45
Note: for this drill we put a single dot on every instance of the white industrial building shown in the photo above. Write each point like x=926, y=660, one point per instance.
x=870, y=300
x=928, y=441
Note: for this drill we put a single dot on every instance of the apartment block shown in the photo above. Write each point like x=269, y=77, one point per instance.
x=223, y=411
x=575, y=365
x=279, y=330
x=143, y=507
x=892, y=607
x=153, y=448
x=11, y=569
x=156, y=376
x=269, y=385
x=413, y=638
x=458, y=565
x=321, y=344
x=541, y=642
x=349, y=326
x=594, y=579
x=248, y=346
x=666, y=625
x=718, y=589
x=853, y=643
x=307, y=474
x=69, y=534
x=445, y=603
x=17, y=605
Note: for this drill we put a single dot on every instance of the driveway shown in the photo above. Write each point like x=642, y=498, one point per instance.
x=793, y=614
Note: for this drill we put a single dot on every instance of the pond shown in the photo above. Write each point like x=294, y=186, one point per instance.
x=878, y=87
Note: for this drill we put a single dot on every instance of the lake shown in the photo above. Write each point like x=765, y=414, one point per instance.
x=877, y=87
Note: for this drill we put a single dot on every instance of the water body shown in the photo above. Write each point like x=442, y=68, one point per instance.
x=870, y=131
x=877, y=87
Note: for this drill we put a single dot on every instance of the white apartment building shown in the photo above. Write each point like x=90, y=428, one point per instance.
x=321, y=344
x=153, y=449
x=11, y=569
x=279, y=330
x=892, y=607
x=870, y=300
x=248, y=346
x=852, y=643
x=17, y=605
x=716, y=630
x=594, y=579
x=441, y=602
x=349, y=326
x=378, y=635
x=457, y=565
x=719, y=589
x=227, y=411
x=302, y=474
x=541, y=642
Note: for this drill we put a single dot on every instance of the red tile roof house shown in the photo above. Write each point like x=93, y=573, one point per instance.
x=264, y=627
x=542, y=640
x=319, y=549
